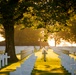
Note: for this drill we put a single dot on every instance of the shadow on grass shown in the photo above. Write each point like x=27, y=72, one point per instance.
x=61, y=68
x=7, y=65
x=6, y=72
x=40, y=72
x=47, y=66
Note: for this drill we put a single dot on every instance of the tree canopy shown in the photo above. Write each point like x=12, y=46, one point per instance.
x=59, y=10
x=41, y=13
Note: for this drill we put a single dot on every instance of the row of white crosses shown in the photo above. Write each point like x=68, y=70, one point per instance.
x=4, y=60
x=26, y=67
x=68, y=63
x=25, y=53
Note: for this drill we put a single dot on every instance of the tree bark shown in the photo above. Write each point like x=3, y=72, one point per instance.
x=10, y=47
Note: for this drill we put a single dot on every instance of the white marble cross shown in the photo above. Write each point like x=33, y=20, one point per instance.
x=4, y=59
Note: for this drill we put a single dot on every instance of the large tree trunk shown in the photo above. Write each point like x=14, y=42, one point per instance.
x=10, y=47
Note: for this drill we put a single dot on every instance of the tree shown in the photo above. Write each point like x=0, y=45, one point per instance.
x=11, y=11
x=62, y=9
x=72, y=27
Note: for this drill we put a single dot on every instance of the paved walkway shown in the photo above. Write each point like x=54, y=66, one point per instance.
x=52, y=66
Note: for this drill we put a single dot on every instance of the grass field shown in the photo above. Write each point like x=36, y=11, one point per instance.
x=52, y=66
x=12, y=67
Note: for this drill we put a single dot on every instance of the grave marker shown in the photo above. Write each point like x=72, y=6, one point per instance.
x=4, y=60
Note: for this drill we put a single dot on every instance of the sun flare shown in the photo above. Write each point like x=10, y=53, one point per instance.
x=1, y=38
x=51, y=42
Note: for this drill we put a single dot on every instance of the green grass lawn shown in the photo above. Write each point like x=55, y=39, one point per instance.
x=12, y=67
x=52, y=66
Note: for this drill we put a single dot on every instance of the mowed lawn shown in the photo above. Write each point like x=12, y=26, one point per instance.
x=12, y=67
x=52, y=66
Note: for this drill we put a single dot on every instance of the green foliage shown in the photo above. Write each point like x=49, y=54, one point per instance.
x=72, y=27
x=31, y=20
x=40, y=10
x=62, y=9
x=34, y=14
x=53, y=15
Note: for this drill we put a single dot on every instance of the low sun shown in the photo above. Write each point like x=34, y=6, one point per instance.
x=1, y=38
x=51, y=42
